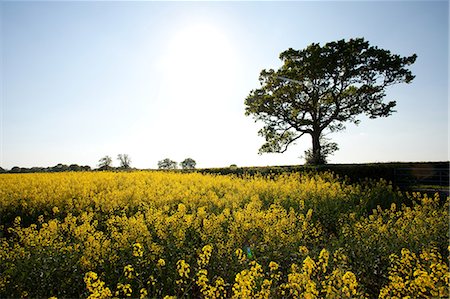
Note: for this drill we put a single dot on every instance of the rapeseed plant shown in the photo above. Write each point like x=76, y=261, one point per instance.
x=160, y=235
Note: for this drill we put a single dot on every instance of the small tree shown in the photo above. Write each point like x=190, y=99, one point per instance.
x=167, y=164
x=188, y=163
x=105, y=163
x=124, y=160
x=321, y=88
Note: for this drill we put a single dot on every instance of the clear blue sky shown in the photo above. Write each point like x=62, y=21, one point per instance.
x=81, y=80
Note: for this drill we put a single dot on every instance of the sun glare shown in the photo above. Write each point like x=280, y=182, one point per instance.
x=199, y=69
x=198, y=61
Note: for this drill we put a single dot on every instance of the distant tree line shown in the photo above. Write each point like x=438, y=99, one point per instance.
x=104, y=164
x=57, y=168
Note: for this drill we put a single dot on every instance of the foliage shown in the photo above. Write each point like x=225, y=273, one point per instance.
x=124, y=160
x=57, y=168
x=188, y=163
x=326, y=149
x=167, y=164
x=190, y=235
x=370, y=240
x=105, y=163
x=321, y=88
x=357, y=173
x=417, y=276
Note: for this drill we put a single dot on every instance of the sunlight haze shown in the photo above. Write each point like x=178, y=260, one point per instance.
x=155, y=80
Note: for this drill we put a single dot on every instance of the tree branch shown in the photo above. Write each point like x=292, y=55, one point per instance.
x=292, y=140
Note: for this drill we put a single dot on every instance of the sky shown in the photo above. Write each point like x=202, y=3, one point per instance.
x=154, y=80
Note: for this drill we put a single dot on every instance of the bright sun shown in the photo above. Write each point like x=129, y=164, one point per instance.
x=199, y=70
x=198, y=61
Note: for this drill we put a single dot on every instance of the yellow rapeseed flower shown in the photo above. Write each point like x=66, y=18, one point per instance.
x=138, y=250
x=303, y=250
x=273, y=266
x=161, y=263
x=128, y=271
x=143, y=293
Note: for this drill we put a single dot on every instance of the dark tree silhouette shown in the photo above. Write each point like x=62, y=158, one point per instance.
x=321, y=88
x=188, y=163
x=124, y=160
x=167, y=164
x=105, y=163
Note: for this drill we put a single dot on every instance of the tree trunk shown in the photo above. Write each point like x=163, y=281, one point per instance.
x=317, y=158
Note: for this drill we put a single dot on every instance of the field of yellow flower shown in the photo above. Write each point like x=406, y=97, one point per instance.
x=191, y=235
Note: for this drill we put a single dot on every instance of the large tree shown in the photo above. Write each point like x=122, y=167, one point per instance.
x=321, y=88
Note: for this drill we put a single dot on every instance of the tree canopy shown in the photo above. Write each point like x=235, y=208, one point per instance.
x=321, y=88
x=167, y=164
x=188, y=163
x=124, y=160
x=105, y=162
